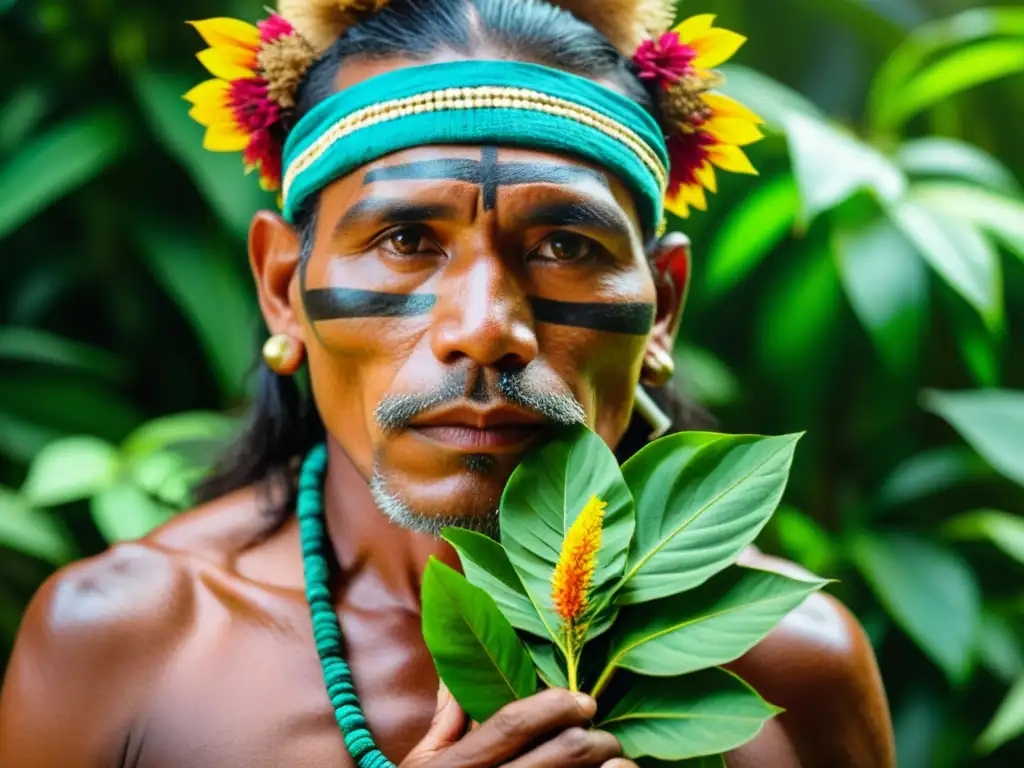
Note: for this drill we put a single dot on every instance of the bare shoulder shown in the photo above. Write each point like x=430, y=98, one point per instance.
x=98, y=634
x=819, y=666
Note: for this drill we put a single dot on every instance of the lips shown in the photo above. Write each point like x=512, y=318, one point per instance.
x=481, y=430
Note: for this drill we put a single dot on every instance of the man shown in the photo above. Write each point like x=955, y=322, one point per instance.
x=455, y=301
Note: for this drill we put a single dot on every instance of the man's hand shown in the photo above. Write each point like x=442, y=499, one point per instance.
x=549, y=729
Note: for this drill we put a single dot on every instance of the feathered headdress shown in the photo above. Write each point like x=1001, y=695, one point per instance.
x=257, y=70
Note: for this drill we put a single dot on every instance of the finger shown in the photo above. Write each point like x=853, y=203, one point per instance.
x=518, y=725
x=620, y=762
x=445, y=729
x=575, y=747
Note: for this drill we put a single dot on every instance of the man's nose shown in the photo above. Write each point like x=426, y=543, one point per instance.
x=483, y=315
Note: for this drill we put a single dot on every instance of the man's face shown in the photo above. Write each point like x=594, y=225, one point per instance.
x=459, y=304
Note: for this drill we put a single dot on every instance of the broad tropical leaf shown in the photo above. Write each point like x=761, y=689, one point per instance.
x=123, y=512
x=549, y=662
x=700, y=499
x=1008, y=722
x=71, y=469
x=887, y=285
x=35, y=532
x=475, y=649
x=487, y=566
x=544, y=497
x=705, y=713
x=930, y=592
x=992, y=421
x=708, y=626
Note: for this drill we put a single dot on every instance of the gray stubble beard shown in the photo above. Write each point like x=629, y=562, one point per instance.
x=406, y=517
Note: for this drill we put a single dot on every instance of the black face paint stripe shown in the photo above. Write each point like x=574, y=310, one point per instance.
x=589, y=215
x=395, y=212
x=489, y=177
x=511, y=174
x=477, y=172
x=428, y=170
x=633, y=318
x=351, y=303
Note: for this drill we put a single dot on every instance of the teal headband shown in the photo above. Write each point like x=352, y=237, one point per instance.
x=478, y=102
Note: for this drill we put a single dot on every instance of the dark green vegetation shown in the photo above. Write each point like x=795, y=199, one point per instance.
x=867, y=290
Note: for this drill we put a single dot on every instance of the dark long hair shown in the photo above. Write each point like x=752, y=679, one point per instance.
x=282, y=423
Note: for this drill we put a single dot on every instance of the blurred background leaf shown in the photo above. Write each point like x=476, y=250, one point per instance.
x=867, y=289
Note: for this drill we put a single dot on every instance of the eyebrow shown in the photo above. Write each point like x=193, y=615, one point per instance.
x=475, y=171
x=391, y=211
x=589, y=215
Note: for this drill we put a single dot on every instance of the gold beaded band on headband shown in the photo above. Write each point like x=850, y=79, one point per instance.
x=475, y=98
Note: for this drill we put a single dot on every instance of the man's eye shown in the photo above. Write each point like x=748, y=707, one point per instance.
x=407, y=241
x=566, y=247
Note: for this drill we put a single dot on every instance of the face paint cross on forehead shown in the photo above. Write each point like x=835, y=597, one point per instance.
x=336, y=302
x=483, y=350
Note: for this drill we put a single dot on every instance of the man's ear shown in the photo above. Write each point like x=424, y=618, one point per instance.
x=274, y=255
x=671, y=260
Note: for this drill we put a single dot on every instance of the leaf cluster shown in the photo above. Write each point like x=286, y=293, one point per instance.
x=667, y=606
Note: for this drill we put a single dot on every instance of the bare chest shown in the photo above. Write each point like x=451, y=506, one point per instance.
x=247, y=692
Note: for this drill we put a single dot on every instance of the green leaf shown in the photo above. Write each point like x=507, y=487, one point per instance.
x=804, y=540
x=701, y=498
x=1004, y=530
x=961, y=70
x=704, y=377
x=940, y=156
x=799, y=318
x=549, y=663
x=169, y=431
x=1007, y=723
x=31, y=345
x=773, y=102
x=123, y=512
x=33, y=531
x=212, y=293
x=991, y=421
x=487, y=566
x=750, y=232
x=959, y=253
x=71, y=469
x=931, y=472
x=705, y=713
x=21, y=113
x=1000, y=216
x=708, y=626
x=885, y=103
x=832, y=165
x=887, y=285
x=58, y=162
x=475, y=649
x=542, y=500
x=219, y=176
x=930, y=592
x=999, y=648
x=21, y=440
x=65, y=404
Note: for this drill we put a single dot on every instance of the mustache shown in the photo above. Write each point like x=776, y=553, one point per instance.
x=395, y=413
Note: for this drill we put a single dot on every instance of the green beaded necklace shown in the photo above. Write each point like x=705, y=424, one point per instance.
x=326, y=630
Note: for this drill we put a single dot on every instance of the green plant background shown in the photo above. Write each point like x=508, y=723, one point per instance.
x=868, y=288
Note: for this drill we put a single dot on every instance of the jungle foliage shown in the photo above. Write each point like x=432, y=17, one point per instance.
x=867, y=289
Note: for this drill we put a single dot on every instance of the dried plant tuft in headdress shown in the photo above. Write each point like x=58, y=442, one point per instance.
x=321, y=22
x=626, y=23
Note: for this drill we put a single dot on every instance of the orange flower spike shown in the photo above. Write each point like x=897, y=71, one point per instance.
x=574, y=572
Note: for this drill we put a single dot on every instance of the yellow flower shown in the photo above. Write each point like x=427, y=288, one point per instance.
x=237, y=107
x=574, y=571
x=709, y=129
x=232, y=55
